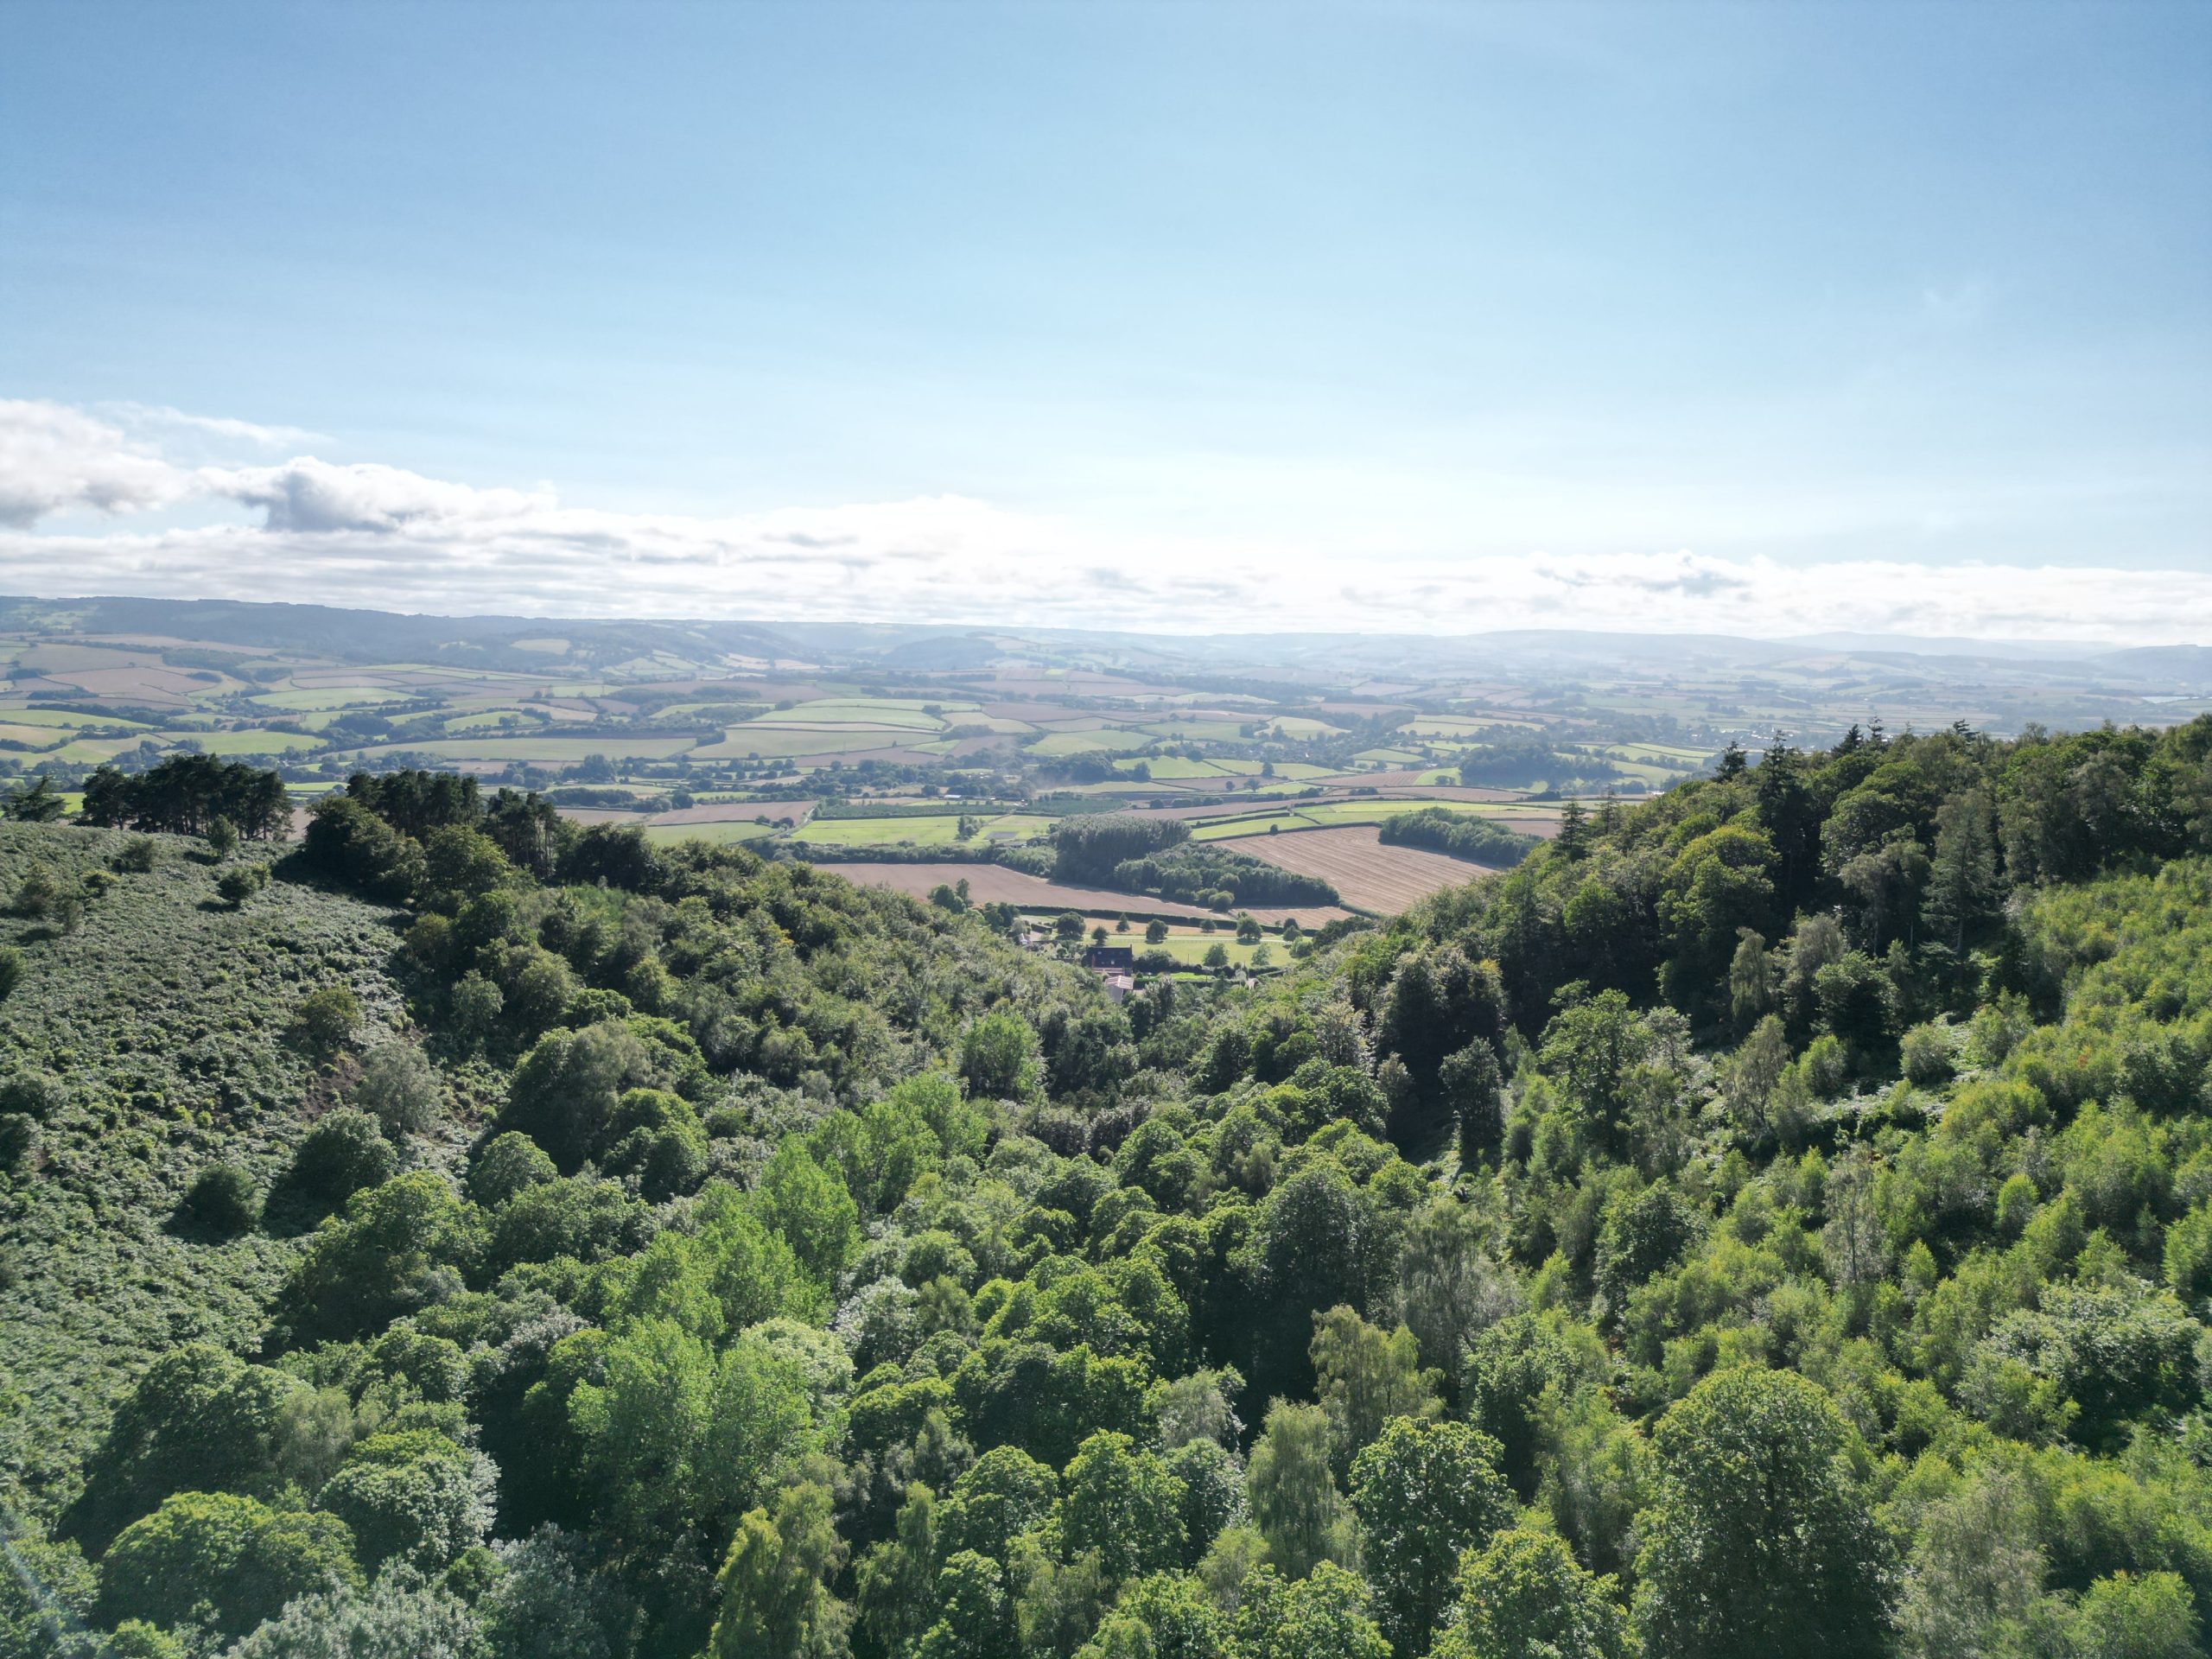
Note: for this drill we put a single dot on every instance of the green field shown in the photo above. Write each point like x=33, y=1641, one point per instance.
x=742, y=740
x=326, y=697
x=494, y=720
x=248, y=742
x=63, y=720
x=1110, y=740
x=545, y=750
x=665, y=835
x=917, y=831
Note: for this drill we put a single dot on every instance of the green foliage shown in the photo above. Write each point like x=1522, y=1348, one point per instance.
x=241, y=1561
x=1761, y=1537
x=236, y=886
x=1295, y=1503
x=1824, y=1263
x=345, y=1152
x=1523, y=1596
x=1460, y=834
x=328, y=1017
x=774, y=1602
x=1424, y=1494
x=399, y=1088
x=391, y=1617
x=224, y=1200
x=1086, y=848
x=189, y=794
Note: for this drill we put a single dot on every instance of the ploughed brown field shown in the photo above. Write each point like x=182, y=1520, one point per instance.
x=990, y=884
x=1354, y=861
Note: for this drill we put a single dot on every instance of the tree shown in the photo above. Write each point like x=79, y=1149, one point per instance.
x=399, y=1086
x=809, y=1204
x=1216, y=956
x=1324, y=1616
x=391, y=1618
x=680, y=1439
x=345, y=1152
x=242, y=1560
x=1762, y=1539
x=222, y=837
x=1293, y=1495
x=2130, y=1615
x=775, y=1599
x=1448, y=1289
x=1122, y=1504
x=1474, y=1086
x=1424, y=1494
x=224, y=1200
x=1523, y=1596
x=1164, y=1617
x=197, y=1419
x=11, y=970
x=37, y=802
x=1156, y=932
x=397, y=1248
x=327, y=1016
x=999, y=1057
x=474, y=1007
x=413, y=1496
x=1366, y=1376
x=565, y=1093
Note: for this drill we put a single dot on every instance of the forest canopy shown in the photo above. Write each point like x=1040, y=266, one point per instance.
x=1776, y=1216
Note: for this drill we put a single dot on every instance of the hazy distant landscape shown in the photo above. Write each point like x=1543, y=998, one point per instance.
x=934, y=744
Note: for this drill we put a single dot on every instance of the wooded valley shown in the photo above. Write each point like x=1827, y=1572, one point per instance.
x=1773, y=1216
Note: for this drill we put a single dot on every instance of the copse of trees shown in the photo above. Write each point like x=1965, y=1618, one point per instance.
x=1462, y=835
x=1087, y=848
x=1204, y=874
x=187, y=794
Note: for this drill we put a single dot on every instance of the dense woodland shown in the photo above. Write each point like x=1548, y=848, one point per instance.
x=1777, y=1217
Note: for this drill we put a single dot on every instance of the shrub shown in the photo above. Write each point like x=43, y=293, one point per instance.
x=507, y=1164
x=345, y=1152
x=18, y=1142
x=35, y=1094
x=224, y=1200
x=328, y=1016
x=1925, y=1053
x=235, y=886
x=399, y=1086
x=137, y=857
x=11, y=969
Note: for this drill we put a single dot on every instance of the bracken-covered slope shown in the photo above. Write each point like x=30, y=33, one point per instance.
x=165, y=1016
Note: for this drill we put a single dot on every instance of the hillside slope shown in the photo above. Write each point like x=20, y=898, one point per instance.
x=165, y=1015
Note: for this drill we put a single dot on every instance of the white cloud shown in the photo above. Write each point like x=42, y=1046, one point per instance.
x=54, y=458
x=160, y=416
x=383, y=536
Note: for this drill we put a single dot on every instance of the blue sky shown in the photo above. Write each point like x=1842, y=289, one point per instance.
x=1386, y=292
